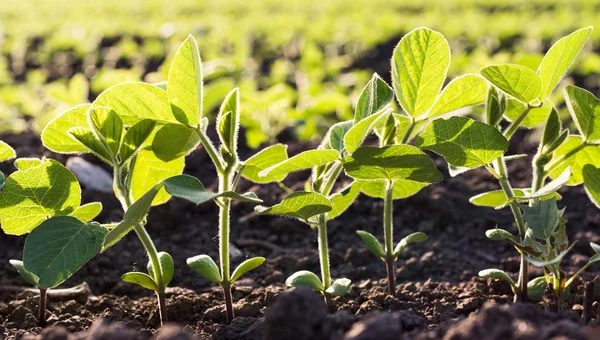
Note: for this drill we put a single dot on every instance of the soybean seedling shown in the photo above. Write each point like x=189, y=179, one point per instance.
x=42, y=199
x=520, y=95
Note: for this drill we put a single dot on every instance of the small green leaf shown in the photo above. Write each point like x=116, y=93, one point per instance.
x=543, y=263
x=185, y=83
x=191, y=189
x=372, y=243
x=518, y=81
x=595, y=258
x=535, y=116
x=355, y=136
x=73, y=243
x=342, y=200
x=228, y=122
x=26, y=163
x=31, y=196
x=87, y=212
x=585, y=111
x=536, y=288
x=552, y=129
x=140, y=279
x=376, y=96
x=301, y=204
x=591, y=182
x=206, y=267
x=559, y=58
x=55, y=136
x=412, y=238
x=497, y=234
x=402, y=188
x=590, y=154
x=495, y=106
x=466, y=90
x=419, y=66
x=262, y=160
x=335, y=136
x=304, y=278
x=174, y=141
x=108, y=127
x=6, y=152
x=87, y=137
x=166, y=265
x=135, y=138
x=30, y=277
x=245, y=267
x=391, y=163
x=595, y=247
x=542, y=217
x=463, y=141
x=339, y=287
x=497, y=198
x=302, y=161
x=498, y=274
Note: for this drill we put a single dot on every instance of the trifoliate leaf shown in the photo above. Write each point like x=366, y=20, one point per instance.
x=518, y=81
x=342, y=200
x=585, y=111
x=534, y=117
x=135, y=138
x=589, y=154
x=108, y=127
x=173, y=141
x=402, y=188
x=6, y=152
x=542, y=218
x=591, y=182
x=87, y=212
x=355, y=136
x=466, y=90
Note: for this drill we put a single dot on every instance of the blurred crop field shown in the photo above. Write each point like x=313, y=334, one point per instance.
x=300, y=64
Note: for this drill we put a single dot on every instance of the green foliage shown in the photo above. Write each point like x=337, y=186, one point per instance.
x=417, y=237
x=55, y=136
x=302, y=161
x=342, y=200
x=301, y=205
x=591, y=182
x=304, y=278
x=355, y=136
x=402, y=188
x=375, y=97
x=167, y=268
x=518, y=81
x=585, y=111
x=6, y=152
x=372, y=243
x=206, y=267
x=245, y=267
x=185, y=83
x=263, y=160
x=466, y=90
x=31, y=278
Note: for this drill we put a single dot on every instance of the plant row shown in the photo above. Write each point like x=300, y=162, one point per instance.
x=144, y=132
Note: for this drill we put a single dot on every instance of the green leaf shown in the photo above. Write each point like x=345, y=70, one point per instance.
x=552, y=129
x=301, y=204
x=342, y=200
x=412, y=238
x=31, y=196
x=86, y=137
x=585, y=111
x=535, y=116
x=542, y=218
x=591, y=182
x=302, y=161
x=466, y=90
x=497, y=234
x=166, y=265
x=6, y=152
x=59, y=246
x=589, y=154
x=595, y=247
x=497, y=198
x=228, y=122
x=372, y=243
x=174, y=141
x=304, y=278
x=498, y=274
x=334, y=138
x=262, y=160
x=355, y=136
x=87, y=212
x=402, y=188
x=30, y=277
x=495, y=106
x=55, y=136
x=463, y=141
x=419, y=66
x=536, y=288
x=137, y=101
x=108, y=126
x=376, y=96
x=135, y=138
x=559, y=58
x=339, y=287
x=391, y=163
x=140, y=279
x=185, y=83
x=245, y=267
x=543, y=263
x=26, y=163
x=518, y=81
x=206, y=267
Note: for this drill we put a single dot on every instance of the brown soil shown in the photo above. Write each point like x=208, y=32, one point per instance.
x=438, y=294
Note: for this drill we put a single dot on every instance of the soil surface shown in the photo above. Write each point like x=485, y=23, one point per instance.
x=439, y=294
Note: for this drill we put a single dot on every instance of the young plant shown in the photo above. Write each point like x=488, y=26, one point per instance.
x=520, y=96
x=42, y=199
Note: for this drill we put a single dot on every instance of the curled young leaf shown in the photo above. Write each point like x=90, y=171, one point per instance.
x=135, y=138
x=245, y=267
x=498, y=274
x=304, y=278
x=495, y=106
x=86, y=137
x=108, y=127
x=228, y=122
x=376, y=96
x=372, y=243
x=206, y=267
x=355, y=136
x=334, y=139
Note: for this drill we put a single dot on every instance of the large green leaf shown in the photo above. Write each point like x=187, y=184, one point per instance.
x=60, y=246
x=463, y=141
x=591, y=182
x=228, y=122
x=136, y=101
x=302, y=161
x=55, y=136
x=342, y=200
x=185, y=83
x=419, y=66
x=542, y=218
x=535, y=116
x=585, y=111
x=391, y=163
x=174, y=141
x=559, y=58
x=590, y=154
x=518, y=81
x=355, y=136
x=466, y=90
x=6, y=152
x=402, y=188
x=31, y=196
x=262, y=160
x=301, y=204
x=376, y=96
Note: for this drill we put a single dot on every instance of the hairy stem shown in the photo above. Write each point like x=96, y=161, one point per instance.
x=228, y=302
x=224, y=211
x=323, y=251
x=211, y=150
x=411, y=127
x=388, y=228
x=42, y=307
x=331, y=176
x=512, y=128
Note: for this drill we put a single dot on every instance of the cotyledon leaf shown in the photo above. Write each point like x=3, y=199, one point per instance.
x=463, y=141
x=301, y=204
x=31, y=278
x=59, y=247
x=466, y=90
x=245, y=267
x=376, y=96
x=140, y=279
x=185, y=91
x=55, y=136
x=302, y=161
x=516, y=80
x=31, y=196
x=262, y=160
x=167, y=267
x=304, y=278
x=206, y=267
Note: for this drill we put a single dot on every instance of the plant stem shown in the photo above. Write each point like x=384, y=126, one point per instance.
x=512, y=128
x=211, y=150
x=332, y=176
x=42, y=307
x=323, y=251
x=588, y=299
x=224, y=211
x=228, y=301
x=411, y=127
x=388, y=210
